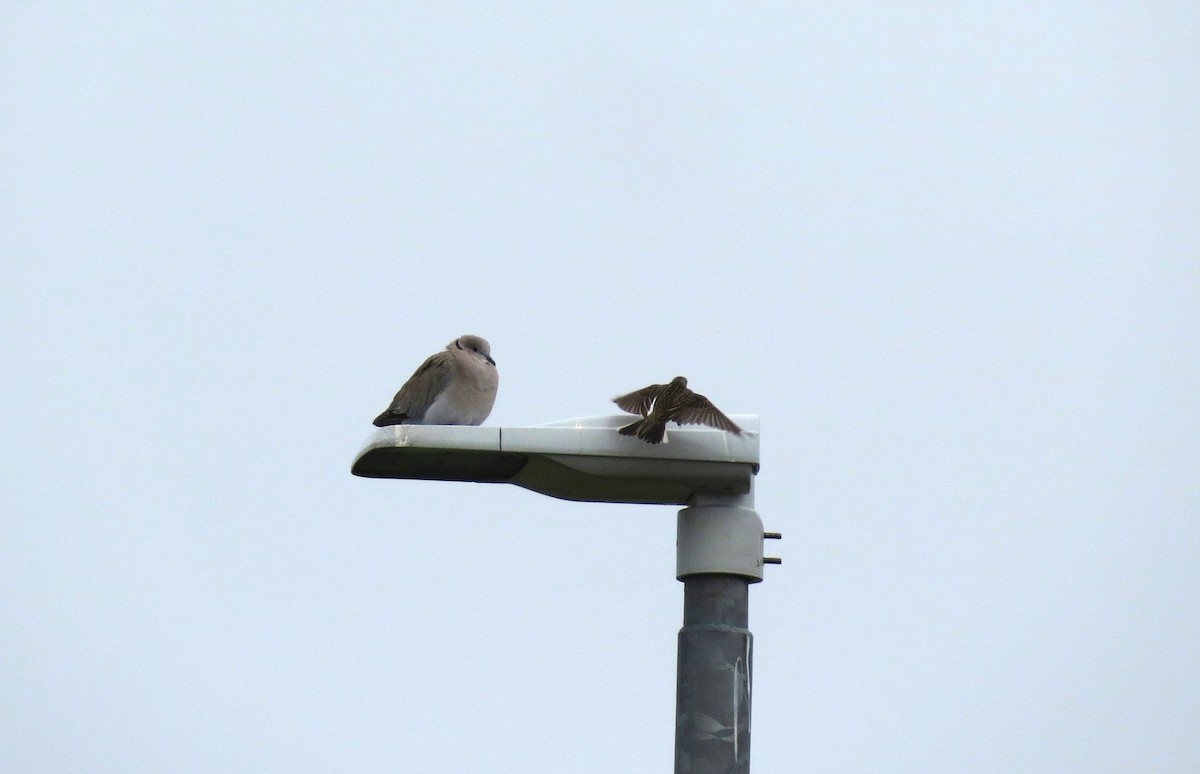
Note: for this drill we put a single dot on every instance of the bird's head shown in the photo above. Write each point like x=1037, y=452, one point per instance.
x=474, y=344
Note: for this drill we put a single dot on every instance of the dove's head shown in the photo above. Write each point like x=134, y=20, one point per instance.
x=475, y=344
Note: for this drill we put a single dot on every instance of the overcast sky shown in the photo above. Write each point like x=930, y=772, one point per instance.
x=951, y=257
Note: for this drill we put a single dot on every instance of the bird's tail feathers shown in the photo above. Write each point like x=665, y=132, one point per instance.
x=652, y=432
x=389, y=418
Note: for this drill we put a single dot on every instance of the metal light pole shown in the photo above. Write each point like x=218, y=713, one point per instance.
x=718, y=555
x=719, y=549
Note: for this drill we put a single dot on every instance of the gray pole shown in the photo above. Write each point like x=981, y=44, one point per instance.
x=712, y=702
x=719, y=554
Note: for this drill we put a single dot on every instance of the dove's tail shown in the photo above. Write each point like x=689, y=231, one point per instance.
x=389, y=418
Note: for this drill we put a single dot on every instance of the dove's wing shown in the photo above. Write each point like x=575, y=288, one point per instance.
x=421, y=389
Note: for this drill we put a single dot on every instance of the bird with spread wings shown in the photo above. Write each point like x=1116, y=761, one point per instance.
x=672, y=402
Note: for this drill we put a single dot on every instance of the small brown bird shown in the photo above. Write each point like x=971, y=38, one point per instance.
x=674, y=402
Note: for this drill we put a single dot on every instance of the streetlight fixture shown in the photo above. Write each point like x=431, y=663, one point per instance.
x=719, y=545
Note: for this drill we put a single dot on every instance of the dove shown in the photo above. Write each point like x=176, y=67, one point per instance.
x=672, y=402
x=456, y=386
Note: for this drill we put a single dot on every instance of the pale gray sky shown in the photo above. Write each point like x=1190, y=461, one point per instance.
x=951, y=256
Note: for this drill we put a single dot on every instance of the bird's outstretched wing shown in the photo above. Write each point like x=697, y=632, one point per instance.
x=639, y=401
x=696, y=409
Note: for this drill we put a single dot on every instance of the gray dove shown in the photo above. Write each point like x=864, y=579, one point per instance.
x=457, y=386
x=674, y=402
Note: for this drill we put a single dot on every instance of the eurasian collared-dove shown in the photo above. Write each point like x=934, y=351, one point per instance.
x=457, y=386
